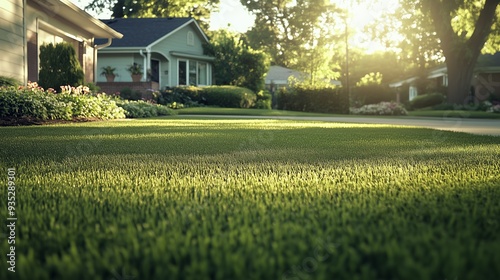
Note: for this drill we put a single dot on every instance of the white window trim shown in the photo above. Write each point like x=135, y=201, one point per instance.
x=197, y=63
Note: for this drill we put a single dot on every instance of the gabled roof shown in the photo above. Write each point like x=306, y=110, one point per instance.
x=488, y=60
x=70, y=12
x=279, y=75
x=143, y=32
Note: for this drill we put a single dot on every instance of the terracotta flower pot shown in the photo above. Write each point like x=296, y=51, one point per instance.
x=136, y=78
x=110, y=78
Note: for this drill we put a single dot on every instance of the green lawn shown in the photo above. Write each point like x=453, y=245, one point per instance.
x=263, y=112
x=246, y=112
x=175, y=198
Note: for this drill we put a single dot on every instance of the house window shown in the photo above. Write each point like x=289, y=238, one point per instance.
x=190, y=38
x=182, y=72
x=202, y=73
x=193, y=73
x=413, y=92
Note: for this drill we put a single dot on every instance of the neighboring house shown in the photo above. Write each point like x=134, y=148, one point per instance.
x=25, y=25
x=169, y=51
x=485, y=82
x=278, y=77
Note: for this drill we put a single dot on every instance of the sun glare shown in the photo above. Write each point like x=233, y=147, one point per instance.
x=363, y=14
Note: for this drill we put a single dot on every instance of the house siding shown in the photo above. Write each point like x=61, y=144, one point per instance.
x=119, y=61
x=178, y=41
x=12, y=60
x=36, y=16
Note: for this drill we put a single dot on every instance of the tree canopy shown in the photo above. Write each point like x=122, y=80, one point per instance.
x=197, y=9
x=236, y=63
x=296, y=34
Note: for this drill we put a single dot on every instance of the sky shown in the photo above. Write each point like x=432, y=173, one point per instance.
x=233, y=16
x=231, y=13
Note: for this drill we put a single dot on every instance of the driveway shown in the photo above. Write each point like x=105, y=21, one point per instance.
x=474, y=126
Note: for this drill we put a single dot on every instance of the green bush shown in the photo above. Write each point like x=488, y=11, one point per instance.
x=228, y=96
x=143, y=109
x=222, y=96
x=59, y=66
x=426, y=100
x=33, y=103
x=312, y=99
x=6, y=81
x=371, y=94
x=180, y=96
x=128, y=93
x=264, y=100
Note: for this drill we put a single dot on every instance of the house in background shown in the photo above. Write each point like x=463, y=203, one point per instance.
x=485, y=82
x=278, y=77
x=25, y=25
x=168, y=50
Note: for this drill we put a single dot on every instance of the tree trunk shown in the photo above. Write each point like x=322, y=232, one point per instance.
x=461, y=53
x=460, y=74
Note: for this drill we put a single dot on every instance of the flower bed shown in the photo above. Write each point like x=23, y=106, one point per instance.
x=34, y=104
x=382, y=108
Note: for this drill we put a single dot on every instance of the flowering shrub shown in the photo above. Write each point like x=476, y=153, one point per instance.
x=382, y=108
x=33, y=103
x=494, y=109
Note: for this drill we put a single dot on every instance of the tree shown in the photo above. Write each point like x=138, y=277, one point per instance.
x=290, y=31
x=463, y=28
x=236, y=63
x=197, y=9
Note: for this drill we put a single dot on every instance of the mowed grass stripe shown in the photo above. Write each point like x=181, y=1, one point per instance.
x=253, y=199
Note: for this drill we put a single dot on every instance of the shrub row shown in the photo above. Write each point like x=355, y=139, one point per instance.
x=371, y=94
x=143, y=109
x=426, y=100
x=222, y=96
x=34, y=103
x=309, y=99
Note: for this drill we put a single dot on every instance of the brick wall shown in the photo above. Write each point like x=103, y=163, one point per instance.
x=143, y=87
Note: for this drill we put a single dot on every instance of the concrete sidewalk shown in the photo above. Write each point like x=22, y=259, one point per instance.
x=474, y=126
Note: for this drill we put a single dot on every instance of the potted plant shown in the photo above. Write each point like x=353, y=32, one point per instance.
x=109, y=72
x=136, y=72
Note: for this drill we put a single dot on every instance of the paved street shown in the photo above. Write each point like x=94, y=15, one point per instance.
x=474, y=126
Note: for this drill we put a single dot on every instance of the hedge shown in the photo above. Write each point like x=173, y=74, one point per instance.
x=426, y=100
x=309, y=99
x=371, y=94
x=222, y=96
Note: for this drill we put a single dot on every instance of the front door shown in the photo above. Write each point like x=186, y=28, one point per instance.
x=155, y=70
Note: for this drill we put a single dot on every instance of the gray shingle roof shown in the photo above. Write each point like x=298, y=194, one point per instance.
x=141, y=32
x=489, y=60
